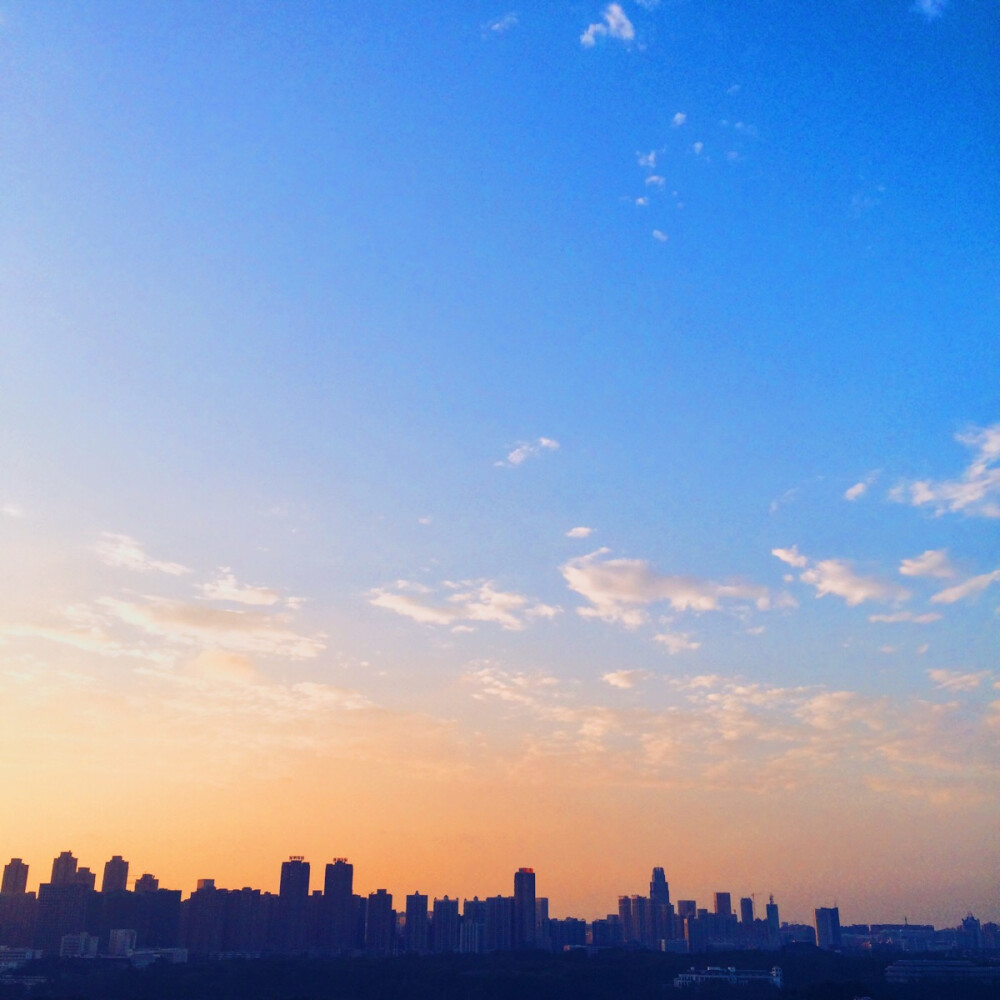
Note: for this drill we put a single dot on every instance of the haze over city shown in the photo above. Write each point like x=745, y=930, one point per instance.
x=470, y=438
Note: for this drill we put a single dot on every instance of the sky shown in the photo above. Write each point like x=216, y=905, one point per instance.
x=460, y=437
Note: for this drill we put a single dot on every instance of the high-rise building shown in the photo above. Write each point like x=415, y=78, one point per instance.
x=64, y=869
x=86, y=878
x=147, y=883
x=339, y=908
x=445, y=925
x=723, y=904
x=524, y=909
x=687, y=908
x=380, y=924
x=293, y=894
x=499, y=923
x=415, y=936
x=746, y=910
x=773, y=924
x=15, y=878
x=659, y=890
x=828, y=928
x=115, y=875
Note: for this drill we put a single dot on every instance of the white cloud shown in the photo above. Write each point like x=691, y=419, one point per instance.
x=425, y=520
x=835, y=576
x=655, y=180
x=931, y=9
x=679, y=119
x=615, y=25
x=791, y=556
x=501, y=24
x=907, y=616
x=952, y=680
x=126, y=553
x=933, y=562
x=580, y=532
x=969, y=587
x=855, y=491
x=472, y=601
x=648, y=159
x=528, y=449
x=12, y=510
x=660, y=236
x=642, y=201
x=235, y=631
x=676, y=642
x=619, y=589
x=625, y=678
x=226, y=588
x=975, y=493
x=697, y=147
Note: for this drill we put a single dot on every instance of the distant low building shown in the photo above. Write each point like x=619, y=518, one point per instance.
x=730, y=975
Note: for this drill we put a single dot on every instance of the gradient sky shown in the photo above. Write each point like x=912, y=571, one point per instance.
x=459, y=437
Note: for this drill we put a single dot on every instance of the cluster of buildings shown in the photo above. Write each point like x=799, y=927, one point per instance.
x=70, y=917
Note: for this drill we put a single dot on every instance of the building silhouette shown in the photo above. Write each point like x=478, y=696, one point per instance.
x=115, y=875
x=828, y=928
x=524, y=936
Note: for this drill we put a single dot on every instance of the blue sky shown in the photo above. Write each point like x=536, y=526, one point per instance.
x=324, y=327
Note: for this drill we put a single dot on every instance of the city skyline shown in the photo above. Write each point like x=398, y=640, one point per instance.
x=552, y=435
x=298, y=878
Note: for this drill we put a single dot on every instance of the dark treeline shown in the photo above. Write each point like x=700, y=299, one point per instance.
x=615, y=974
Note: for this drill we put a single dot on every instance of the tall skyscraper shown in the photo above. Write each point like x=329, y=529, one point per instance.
x=147, y=883
x=445, y=925
x=415, y=932
x=64, y=869
x=338, y=904
x=687, y=908
x=828, y=928
x=15, y=878
x=524, y=909
x=115, y=875
x=723, y=904
x=292, y=896
x=746, y=910
x=659, y=890
x=773, y=924
x=380, y=924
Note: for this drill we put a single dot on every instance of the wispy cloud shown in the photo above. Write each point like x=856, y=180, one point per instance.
x=791, y=556
x=619, y=590
x=124, y=552
x=660, y=236
x=907, y=616
x=225, y=587
x=837, y=577
x=676, y=642
x=502, y=24
x=953, y=680
x=967, y=588
x=859, y=489
x=931, y=9
x=615, y=24
x=471, y=601
x=975, y=493
x=195, y=624
x=625, y=678
x=679, y=119
x=12, y=510
x=528, y=449
x=579, y=532
x=933, y=562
